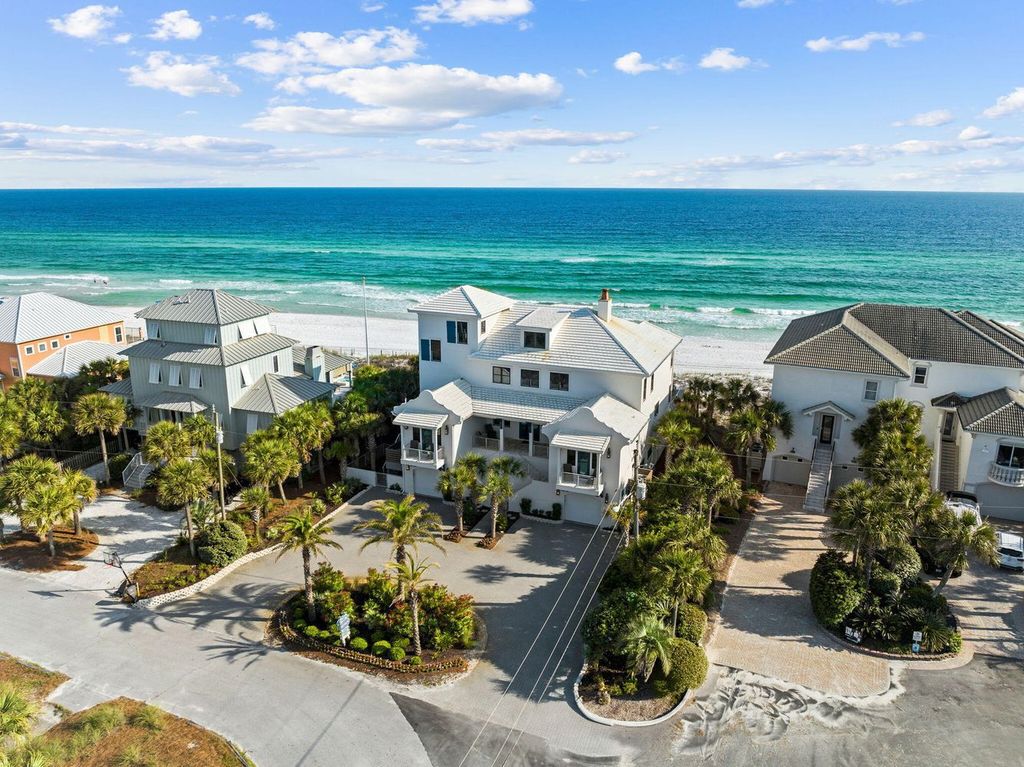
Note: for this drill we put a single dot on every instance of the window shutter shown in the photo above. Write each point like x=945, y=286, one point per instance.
x=425, y=349
x=452, y=337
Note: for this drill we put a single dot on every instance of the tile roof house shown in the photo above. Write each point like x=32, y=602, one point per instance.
x=209, y=350
x=572, y=392
x=37, y=326
x=964, y=370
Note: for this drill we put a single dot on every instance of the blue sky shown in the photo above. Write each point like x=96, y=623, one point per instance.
x=862, y=94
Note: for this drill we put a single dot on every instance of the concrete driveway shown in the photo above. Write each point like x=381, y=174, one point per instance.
x=767, y=626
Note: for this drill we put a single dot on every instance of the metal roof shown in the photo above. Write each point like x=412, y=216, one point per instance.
x=179, y=401
x=332, y=360
x=122, y=388
x=881, y=339
x=277, y=394
x=205, y=306
x=589, y=442
x=424, y=420
x=544, y=318
x=1000, y=411
x=68, y=360
x=951, y=400
x=465, y=300
x=520, y=406
x=201, y=354
x=32, y=316
x=609, y=411
x=829, y=405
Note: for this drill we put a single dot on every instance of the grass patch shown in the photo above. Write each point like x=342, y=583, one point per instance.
x=24, y=551
x=35, y=681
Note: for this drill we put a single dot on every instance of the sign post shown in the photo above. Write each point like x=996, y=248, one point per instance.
x=344, y=628
x=915, y=647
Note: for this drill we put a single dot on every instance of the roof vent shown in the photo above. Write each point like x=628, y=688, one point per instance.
x=604, y=305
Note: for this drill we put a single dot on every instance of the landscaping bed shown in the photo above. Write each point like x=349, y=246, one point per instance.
x=643, y=705
x=381, y=625
x=23, y=550
x=36, y=681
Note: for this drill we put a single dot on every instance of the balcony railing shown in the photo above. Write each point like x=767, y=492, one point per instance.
x=421, y=455
x=512, y=445
x=582, y=481
x=1006, y=475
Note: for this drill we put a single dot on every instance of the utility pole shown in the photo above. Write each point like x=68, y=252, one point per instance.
x=366, y=324
x=636, y=491
x=220, y=463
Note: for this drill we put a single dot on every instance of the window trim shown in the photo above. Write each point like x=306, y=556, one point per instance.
x=457, y=332
x=868, y=382
x=67, y=336
x=174, y=376
x=30, y=349
x=522, y=378
x=195, y=378
x=157, y=368
x=42, y=346
x=536, y=334
x=54, y=343
x=277, y=364
x=501, y=375
x=551, y=381
x=118, y=334
x=913, y=374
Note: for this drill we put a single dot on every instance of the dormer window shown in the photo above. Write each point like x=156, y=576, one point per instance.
x=534, y=340
x=920, y=375
x=210, y=335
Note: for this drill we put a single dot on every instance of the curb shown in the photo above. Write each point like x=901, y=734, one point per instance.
x=909, y=658
x=620, y=722
x=198, y=587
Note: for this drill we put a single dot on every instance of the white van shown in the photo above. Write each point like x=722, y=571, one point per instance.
x=1010, y=548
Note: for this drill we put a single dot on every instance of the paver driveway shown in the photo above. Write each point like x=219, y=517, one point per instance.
x=767, y=624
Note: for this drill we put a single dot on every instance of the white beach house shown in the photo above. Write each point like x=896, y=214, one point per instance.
x=965, y=371
x=571, y=391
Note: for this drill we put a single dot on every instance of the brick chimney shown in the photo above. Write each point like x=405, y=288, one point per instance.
x=604, y=305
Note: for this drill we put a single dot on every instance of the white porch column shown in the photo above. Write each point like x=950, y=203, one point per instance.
x=501, y=436
x=530, y=441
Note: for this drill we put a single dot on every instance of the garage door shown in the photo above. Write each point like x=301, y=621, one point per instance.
x=1001, y=501
x=584, y=509
x=425, y=482
x=790, y=469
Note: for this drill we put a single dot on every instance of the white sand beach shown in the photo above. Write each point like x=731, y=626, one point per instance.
x=388, y=335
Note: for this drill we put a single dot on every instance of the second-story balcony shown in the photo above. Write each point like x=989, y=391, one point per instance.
x=422, y=455
x=574, y=481
x=510, y=445
x=1011, y=476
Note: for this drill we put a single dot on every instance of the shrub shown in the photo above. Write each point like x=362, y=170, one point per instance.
x=381, y=647
x=605, y=625
x=956, y=642
x=312, y=632
x=397, y=653
x=446, y=616
x=629, y=687
x=922, y=597
x=148, y=717
x=836, y=589
x=415, y=660
x=885, y=582
x=221, y=543
x=335, y=494
x=330, y=606
x=936, y=634
x=402, y=642
x=525, y=505
x=118, y=463
x=692, y=623
x=689, y=668
x=556, y=511
x=903, y=560
x=878, y=620
x=328, y=579
x=358, y=644
x=300, y=624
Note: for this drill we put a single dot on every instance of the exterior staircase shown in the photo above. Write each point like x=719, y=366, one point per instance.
x=136, y=472
x=949, y=466
x=819, y=479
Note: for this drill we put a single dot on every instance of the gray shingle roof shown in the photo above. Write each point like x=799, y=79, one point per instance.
x=68, y=360
x=40, y=315
x=204, y=306
x=200, y=354
x=277, y=394
x=882, y=338
x=998, y=332
x=465, y=300
x=953, y=399
x=1000, y=411
x=609, y=411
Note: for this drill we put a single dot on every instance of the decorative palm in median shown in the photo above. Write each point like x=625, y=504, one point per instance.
x=48, y=506
x=411, y=575
x=460, y=482
x=498, y=486
x=257, y=500
x=83, y=488
x=102, y=414
x=404, y=524
x=302, y=532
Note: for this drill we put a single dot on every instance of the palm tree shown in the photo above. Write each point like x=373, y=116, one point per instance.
x=17, y=714
x=739, y=394
x=648, y=643
x=183, y=482
x=676, y=433
x=48, y=506
x=200, y=431
x=686, y=577
x=295, y=427
x=83, y=487
x=695, y=533
x=745, y=428
x=461, y=481
x=166, y=441
x=411, y=574
x=963, y=535
x=301, y=532
x=498, y=485
x=404, y=524
x=706, y=480
x=24, y=475
x=257, y=499
x=102, y=414
x=269, y=460
x=321, y=427
x=10, y=432
x=864, y=522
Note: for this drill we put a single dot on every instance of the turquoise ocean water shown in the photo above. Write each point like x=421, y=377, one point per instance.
x=731, y=264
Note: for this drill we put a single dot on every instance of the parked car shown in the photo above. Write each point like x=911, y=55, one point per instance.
x=1010, y=548
x=933, y=568
x=960, y=503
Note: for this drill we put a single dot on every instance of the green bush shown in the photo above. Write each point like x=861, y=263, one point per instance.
x=956, y=642
x=903, y=560
x=381, y=647
x=358, y=644
x=330, y=606
x=446, y=617
x=221, y=543
x=525, y=505
x=118, y=463
x=402, y=642
x=885, y=582
x=300, y=624
x=922, y=597
x=692, y=623
x=836, y=588
x=630, y=687
x=335, y=494
x=556, y=511
x=415, y=660
x=689, y=668
x=605, y=625
x=327, y=579
x=312, y=632
x=397, y=653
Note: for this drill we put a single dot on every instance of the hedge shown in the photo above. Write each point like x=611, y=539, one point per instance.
x=836, y=589
x=689, y=668
x=221, y=543
x=692, y=623
x=903, y=560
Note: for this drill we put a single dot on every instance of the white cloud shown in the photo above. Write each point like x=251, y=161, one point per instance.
x=166, y=71
x=176, y=25
x=454, y=93
x=351, y=122
x=261, y=20
x=495, y=141
x=973, y=133
x=1008, y=104
x=864, y=42
x=724, y=59
x=86, y=23
x=24, y=127
x=370, y=7
x=932, y=119
x=633, y=63
x=754, y=3
x=595, y=156
x=470, y=12
x=121, y=39
x=316, y=51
